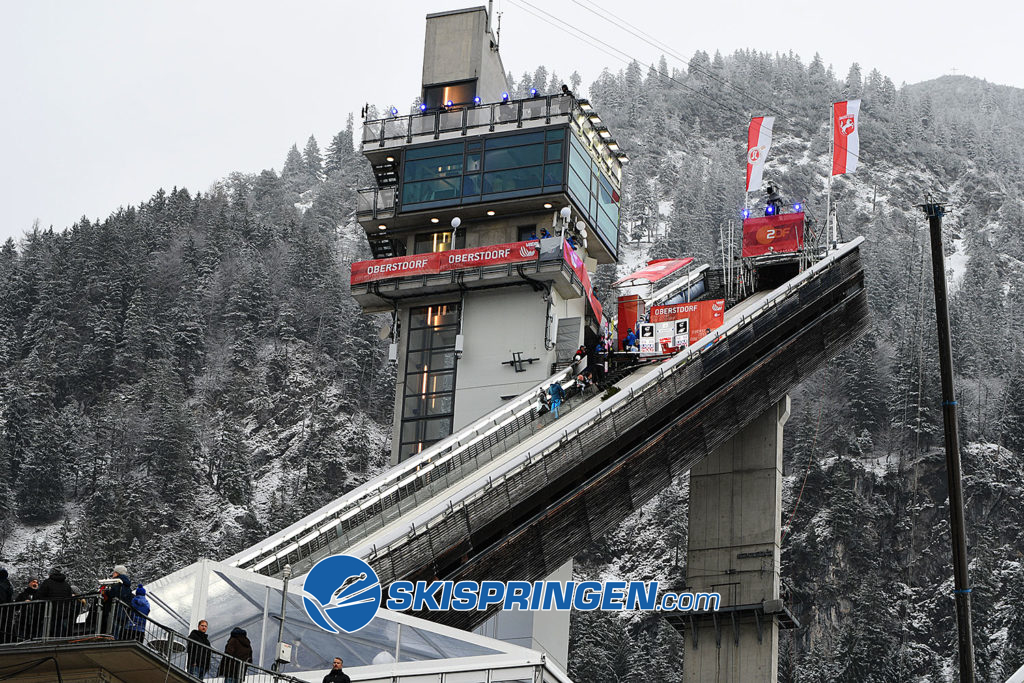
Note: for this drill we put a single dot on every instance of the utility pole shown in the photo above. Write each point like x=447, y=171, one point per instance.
x=961, y=583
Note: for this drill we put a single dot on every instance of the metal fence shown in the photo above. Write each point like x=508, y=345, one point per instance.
x=90, y=619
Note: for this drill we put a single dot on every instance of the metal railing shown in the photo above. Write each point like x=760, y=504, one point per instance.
x=498, y=116
x=89, y=618
x=376, y=203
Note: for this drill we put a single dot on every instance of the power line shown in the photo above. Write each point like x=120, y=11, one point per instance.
x=650, y=40
x=593, y=41
x=623, y=56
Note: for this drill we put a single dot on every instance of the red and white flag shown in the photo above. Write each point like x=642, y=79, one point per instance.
x=845, y=136
x=759, y=141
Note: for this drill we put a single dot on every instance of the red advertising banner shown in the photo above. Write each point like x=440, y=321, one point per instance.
x=400, y=266
x=773, y=234
x=576, y=263
x=516, y=252
x=701, y=316
x=444, y=261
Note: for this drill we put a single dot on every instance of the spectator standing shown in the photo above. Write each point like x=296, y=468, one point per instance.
x=557, y=393
x=57, y=590
x=238, y=651
x=32, y=613
x=198, y=654
x=336, y=675
x=136, y=623
x=113, y=619
x=6, y=609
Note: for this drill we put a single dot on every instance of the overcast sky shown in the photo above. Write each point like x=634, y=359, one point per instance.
x=107, y=101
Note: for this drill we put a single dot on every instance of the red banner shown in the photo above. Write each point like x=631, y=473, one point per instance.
x=400, y=266
x=773, y=234
x=516, y=252
x=576, y=263
x=443, y=261
x=702, y=316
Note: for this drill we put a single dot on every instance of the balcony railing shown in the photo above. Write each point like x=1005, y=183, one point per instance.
x=87, y=619
x=499, y=116
x=376, y=203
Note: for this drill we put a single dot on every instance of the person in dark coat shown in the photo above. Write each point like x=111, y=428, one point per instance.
x=6, y=609
x=239, y=648
x=113, y=620
x=31, y=615
x=336, y=675
x=58, y=591
x=198, y=651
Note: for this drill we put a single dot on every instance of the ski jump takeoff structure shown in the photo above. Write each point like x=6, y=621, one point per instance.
x=483, y=488
x=488, y=217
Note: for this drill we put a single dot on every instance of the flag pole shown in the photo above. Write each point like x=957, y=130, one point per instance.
x=832, y=156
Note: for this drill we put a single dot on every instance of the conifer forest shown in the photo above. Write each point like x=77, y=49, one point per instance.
x=189, y=374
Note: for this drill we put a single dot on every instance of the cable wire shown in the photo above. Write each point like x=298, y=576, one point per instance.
x=653, y=42
x=627, y=58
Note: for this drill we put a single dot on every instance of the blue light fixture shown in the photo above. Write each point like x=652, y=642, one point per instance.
x=746, y=213
x=423, y=106
x=533, y=92
x=769, y=210
x=477, y=100
x=449, y=103
x=797, y=207
x=394, y=111
x=504, y=97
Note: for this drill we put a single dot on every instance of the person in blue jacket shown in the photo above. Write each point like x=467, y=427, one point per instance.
x=557, y=393
x=135, y=625
x=630, y=341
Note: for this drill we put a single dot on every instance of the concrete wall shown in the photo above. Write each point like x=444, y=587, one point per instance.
x=733, y=549
x=458, y=47
x=496, y=323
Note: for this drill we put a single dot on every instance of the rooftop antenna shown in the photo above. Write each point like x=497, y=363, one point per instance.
x=497, y=34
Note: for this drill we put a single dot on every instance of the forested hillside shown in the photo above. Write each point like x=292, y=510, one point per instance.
x=189, y=374
x=184, y=377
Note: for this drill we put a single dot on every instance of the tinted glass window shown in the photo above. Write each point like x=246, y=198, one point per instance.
x=511, y=157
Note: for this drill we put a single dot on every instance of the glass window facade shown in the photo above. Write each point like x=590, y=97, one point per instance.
x=428, y=403
x=508, y=166
x=496, y=167
x=594, y=194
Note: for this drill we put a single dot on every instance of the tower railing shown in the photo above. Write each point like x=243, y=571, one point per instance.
x=448, y=123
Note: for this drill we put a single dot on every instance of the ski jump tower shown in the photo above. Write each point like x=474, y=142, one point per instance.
x=488, y=215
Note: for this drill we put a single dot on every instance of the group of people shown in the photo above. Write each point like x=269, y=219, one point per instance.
x=232, y=668
x=56, y=609
x=124, y=614
x=550, y=399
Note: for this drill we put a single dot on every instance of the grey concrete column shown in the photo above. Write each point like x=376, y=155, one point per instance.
x=734, y=535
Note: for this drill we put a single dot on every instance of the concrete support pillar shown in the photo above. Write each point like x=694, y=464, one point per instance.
x=734, y=536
